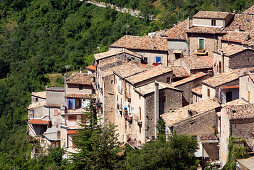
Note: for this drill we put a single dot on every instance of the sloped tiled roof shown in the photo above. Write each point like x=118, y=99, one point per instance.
x=182, y=113
x=151, y=73
x=205, y=30
x=241, y=22
x=41, y=94
x=110, y=53
x=149, y=88
x=199, y=62
x=179, y=71
x=141, y=43
x=240, y=111
x=249, y=10
x=130, y=69
x=235, y=36
x=197, y=90
x=232, y=49
x=222, y=78
x=37, y=104
x=211, y=15
x=178, y=32
x=188, y=79
x=80, y=78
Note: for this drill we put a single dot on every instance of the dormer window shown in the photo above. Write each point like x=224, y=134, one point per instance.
x=213, y=22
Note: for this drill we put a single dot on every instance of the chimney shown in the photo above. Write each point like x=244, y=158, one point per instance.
x=156, y=107
x=188, y=23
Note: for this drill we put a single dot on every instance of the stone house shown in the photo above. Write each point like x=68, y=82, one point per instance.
x=246, y=87
x=232, y=57
x=206, y=28
x=43, y=115
x=236, y=121
x=133, y=103
x=104, y=81
x=198, y=120
x=224, y=86
x=152, y=49
x=187, y=84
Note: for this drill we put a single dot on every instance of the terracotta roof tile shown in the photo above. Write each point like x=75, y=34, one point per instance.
x=41, y=94
x=178, y=32
x=179, y=71
x=206, y=30
x=38, y=121
x=240, y=111
x=249, y=10
x=212, y=14
x=149, y=88
x=188, y=79
x=199, y=62
x=223, y=78
x=91, y=67
x=197, y=90
x=80, y=78
x=151, y=73
x=37, y=104
x=130, y=69
x=235, y=36
x=183, y=113
x=232, y=49
x=241, y=22
x=141, y=43
x=110, y=53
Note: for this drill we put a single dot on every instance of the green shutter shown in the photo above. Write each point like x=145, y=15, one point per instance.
x=201, y=44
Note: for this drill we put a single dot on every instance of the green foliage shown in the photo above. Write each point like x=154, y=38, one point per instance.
x=97, y=144
x=177, y=153
x=236, y=151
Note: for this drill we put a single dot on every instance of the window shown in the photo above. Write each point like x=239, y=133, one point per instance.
x=139, y=96
x=208, y=92
x=201, y=43
x=169, y=80
x=229, y=96
x=36, y=99
x=80, y=87
x=145, y=60
x=177, y=55
x=213, y=22
x=158, y=59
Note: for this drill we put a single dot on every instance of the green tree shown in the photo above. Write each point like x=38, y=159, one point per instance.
x=176, y=153
x=97, y=145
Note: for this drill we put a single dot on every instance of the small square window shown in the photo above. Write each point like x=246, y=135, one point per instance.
x=213, y=22
x=80, y=87
x=208, y=92
x=145, y=60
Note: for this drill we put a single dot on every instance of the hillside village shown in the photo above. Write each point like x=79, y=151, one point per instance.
x=197, y=76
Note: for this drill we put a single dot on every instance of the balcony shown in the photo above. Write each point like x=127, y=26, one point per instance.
x=201, y=52
x=128, y=117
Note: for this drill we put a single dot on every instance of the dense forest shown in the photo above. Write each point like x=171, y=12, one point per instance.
x=38, y=37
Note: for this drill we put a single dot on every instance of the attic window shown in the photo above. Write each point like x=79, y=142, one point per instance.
x=213, y=22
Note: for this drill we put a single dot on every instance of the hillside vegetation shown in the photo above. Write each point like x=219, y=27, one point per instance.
x=40, y=37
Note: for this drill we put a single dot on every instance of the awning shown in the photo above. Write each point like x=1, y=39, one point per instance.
x=230, y=87
x=71, y=132
x=38, y=121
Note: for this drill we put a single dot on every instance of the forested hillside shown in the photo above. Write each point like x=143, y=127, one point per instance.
x=38, y=37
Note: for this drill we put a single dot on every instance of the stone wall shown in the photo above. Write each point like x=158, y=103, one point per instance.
x=109, y=99
x=243, y=128
x=211, y=42
x=242, y=60
x=197, y=125
x=55, y=98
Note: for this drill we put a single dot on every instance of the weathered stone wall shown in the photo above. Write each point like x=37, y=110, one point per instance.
x=122, y=56
x=55, y=98
x=109, y=99
x=211, y=42
x=242, y=60
x=243, y=128
x=197, y=125
x=74, y=88
x=173, y=101
x=208, y=22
